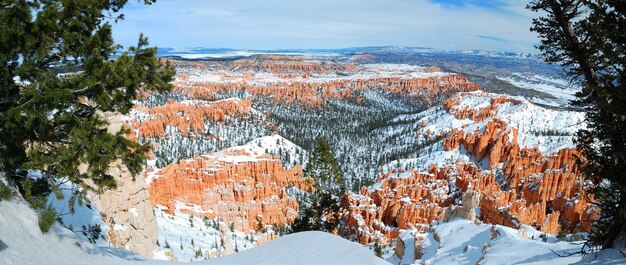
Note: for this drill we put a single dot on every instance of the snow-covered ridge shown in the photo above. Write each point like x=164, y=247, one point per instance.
x=263, y=148
x=562, y=91
x=259, y=148
x=360, y=72
x=548, y=129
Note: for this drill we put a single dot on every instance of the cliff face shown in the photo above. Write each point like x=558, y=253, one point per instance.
x=523, y=174
x=128, y=212
x=296, y=81
x=189, y=118
x=126, y=209
x=242, y=186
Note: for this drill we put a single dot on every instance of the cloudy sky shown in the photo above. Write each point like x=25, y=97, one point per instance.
x=281, y=24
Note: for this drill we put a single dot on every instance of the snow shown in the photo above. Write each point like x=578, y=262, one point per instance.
x=548, y=129
x=21, y=243
x=463, y=242
x=561, y=90
x=304, y=248
x=613, y=256
x=362, y=72
x=85, y=214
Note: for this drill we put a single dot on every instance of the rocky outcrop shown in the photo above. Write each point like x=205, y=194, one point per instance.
x=294, y=80
x=400, y=203
x=239, y=187
x=128, y=212
x=476, y=113
x=512, y=184
x=471, y=200
x=126, y=209
x=408, y=247
x=189, y=118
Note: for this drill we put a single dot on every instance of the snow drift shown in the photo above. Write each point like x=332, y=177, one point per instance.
x=22, y=243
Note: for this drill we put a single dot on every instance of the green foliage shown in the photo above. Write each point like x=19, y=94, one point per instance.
x=562, y=235
x=587, y=38
x=47, y=217
x=323, y=168
x=58, y=76
x=5, y=192
x=378, y=250
x=319, y=209
x=92, y=232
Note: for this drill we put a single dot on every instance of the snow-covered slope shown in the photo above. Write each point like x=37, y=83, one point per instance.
x=304, y=248
x=507, y=148
x=463, y=242
x=562, y=91
x=21, y=243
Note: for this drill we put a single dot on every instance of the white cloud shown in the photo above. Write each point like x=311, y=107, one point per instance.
x=275, y=24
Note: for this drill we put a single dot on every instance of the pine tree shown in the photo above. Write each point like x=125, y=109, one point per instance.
x=323, y=168
x=587, y=38
x=319, y=209
x=58, y=78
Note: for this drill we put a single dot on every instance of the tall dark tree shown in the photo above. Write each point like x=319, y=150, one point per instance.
x=588, y=37
x=59, y=76
x=319, y=209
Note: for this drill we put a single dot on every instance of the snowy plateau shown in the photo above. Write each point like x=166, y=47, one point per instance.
x=448, y=158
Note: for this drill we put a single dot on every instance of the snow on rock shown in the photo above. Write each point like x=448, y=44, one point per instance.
x=519, y=156
x=21, y=243
x=227, y=201
x=464, y=242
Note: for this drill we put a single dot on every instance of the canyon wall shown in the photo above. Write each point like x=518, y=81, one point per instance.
x=236, y=185
x=517, y=182
x=126, y=209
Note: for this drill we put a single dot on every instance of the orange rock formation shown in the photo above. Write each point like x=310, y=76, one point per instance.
x=188, y=117
x=296, y=81
x=540, y=190
x=244, y=193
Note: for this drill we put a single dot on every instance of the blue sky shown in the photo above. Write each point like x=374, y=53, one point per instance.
x=282, y=24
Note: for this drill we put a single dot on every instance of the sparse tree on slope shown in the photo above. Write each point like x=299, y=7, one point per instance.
x=54, y=122
x=588, y=37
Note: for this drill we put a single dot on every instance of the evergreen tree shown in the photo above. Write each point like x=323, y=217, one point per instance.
x=588, y=38
x=323, y=168
x=319, y=209
x=59, y=76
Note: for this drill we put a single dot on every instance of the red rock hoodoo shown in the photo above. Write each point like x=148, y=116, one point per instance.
x=244, y=193
x=518, y=185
